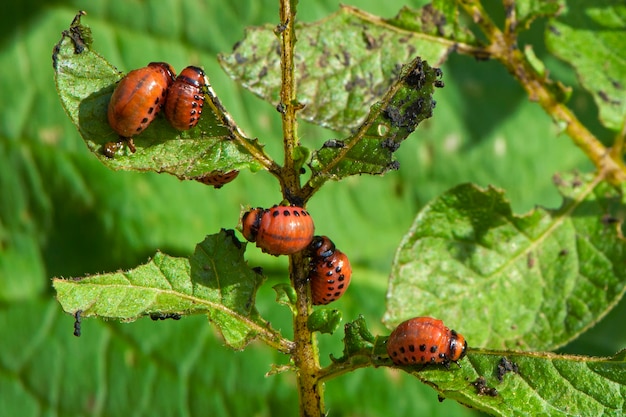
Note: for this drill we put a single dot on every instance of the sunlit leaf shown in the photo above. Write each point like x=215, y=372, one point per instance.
x=532, y=282
x=215, y=281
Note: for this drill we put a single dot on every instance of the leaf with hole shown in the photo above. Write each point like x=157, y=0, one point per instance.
x=344, y=64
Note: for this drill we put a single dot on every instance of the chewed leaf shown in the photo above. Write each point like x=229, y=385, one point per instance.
x=324, y=320
x=85, y=82
x=515, y=384
x=215, y=281
x=590, y=37
x=504, y=383
x=370, y=149
x=344, y=64
x=530, y=282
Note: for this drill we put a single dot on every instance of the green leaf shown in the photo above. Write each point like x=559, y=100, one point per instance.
x=541, y=384
x=590, y=37
x=507, y=383
x=216, y=281
x=438, y=19
x=530, y=282
x=324, y=320
x=529, y=10
x=358, y=340
x=85, y=82
x=343, y=64
x=370, y=149
x=286, y=295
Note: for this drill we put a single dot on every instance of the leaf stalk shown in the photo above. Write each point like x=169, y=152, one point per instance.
x=503, y=47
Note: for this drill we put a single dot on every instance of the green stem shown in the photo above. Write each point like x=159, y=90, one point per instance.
x=503, y=47
x=306, y=354
x=290, y=179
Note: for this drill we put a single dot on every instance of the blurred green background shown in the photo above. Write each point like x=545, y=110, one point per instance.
x=63, y=214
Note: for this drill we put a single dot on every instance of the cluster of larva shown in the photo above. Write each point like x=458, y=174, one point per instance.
x=143, y=93
x=280, y=230
x=285, y=230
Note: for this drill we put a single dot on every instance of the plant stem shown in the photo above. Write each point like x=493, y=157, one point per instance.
x=306, y=355
x=290, y=179
x=503, y=47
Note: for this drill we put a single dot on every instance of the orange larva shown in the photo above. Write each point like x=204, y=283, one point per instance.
x=330, y=271
x=185, y=98
x=138, y=98
x=423, y=340
x=280, y=230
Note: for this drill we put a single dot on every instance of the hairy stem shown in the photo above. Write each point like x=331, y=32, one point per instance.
x=290, y=179
x=306, y=355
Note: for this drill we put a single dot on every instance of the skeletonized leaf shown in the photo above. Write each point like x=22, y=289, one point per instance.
x=370, y=149
x=344, y=63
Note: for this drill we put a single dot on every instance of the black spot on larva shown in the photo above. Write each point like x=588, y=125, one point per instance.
x=433, y=349
x=422, y=348
x=330, y=281
x=412, y=348
x=402, y=349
